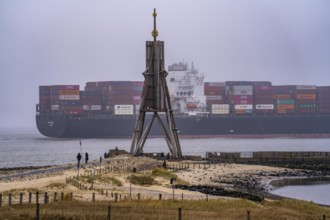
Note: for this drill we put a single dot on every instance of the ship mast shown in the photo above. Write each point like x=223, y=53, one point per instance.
x=155, y=98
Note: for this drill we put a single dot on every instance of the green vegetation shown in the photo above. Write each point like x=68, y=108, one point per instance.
x=149, y=179
x=57, y=185
x=142, y=180
x=167, y=209
x=102, y=179
x=110, y=180
x=160, y=172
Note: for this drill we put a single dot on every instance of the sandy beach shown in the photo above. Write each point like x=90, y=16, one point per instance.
x=252, y=179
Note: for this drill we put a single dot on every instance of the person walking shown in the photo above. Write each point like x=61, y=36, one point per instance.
x=79, y=158
x=86, y=158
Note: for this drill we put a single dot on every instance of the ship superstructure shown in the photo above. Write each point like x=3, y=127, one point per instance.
x=186, y=88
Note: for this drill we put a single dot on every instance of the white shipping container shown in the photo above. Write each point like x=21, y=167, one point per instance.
x=242, y=92
x=214, y=83
x=55, y=107
x=95, y=107
x=220, y=111
x=265, y=106
x=69, y=97
x=305, y=87
x=222, y=106
x=123, y=109
x=243, y=88
x=247, y=107
x=123, y=112
x=215, y=97
x=85, y=107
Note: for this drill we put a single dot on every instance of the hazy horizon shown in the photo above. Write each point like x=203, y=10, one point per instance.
x=73, y=42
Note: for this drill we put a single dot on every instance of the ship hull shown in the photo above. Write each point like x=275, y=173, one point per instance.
x=248, y=126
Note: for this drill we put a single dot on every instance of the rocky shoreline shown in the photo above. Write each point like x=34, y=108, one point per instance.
x=252, y=187
x=255, y=184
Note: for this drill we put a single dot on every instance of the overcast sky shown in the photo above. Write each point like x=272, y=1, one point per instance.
x=73, y=42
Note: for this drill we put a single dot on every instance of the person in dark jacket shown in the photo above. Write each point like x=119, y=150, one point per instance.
x=86, y=157
x=79, y=158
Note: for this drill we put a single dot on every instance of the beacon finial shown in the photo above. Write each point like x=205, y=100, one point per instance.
x=155, y=32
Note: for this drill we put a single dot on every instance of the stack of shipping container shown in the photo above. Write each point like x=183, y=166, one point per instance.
x=117, y=97
x=284, y=99
x=306, y=99
x=323, y=93
x=263, y=99
x=44, y=98
x=91, y=101
x=241, y=97
x=232, y=97
x=64, y=98
x=216, y=99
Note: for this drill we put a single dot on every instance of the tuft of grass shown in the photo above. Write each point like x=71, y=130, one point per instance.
x=110, y=180
x=160, y=172
x=101, y=179
x=142, y=180
x=297, y=205
x=56, y=185
x=88, y=179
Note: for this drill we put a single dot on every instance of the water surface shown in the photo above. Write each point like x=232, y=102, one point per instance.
x=315, y=190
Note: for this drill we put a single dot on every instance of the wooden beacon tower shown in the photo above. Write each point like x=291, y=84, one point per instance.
x=155, y=98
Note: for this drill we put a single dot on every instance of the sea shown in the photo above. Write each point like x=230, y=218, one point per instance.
x=22, y=147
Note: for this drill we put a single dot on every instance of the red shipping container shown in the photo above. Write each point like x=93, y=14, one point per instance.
x=324, y=105
x=285, y=111
x=305, y=101
x=324, y=110
x=307, y=110
x=213, y=102
x=138, y=83
x=263, y=102
x=323, y=97
x=281, y=96
x=268, y=98
x=74, y=112
x=263, y=92
x=306, y=91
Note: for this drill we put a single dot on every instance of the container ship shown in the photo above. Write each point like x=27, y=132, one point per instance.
x=109, y=109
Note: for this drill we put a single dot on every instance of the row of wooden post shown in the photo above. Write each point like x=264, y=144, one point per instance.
x=128, y=168
x=182, y=166
x=46, y=201
x=248, y=213
x=116, y=197
x=46, y=198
